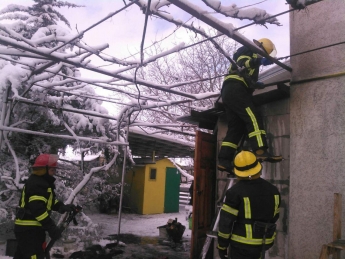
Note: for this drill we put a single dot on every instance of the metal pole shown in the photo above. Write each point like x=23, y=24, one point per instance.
x=122, y=182
x=56, y=58
x=3, y=112
x=7, y=118
x=38, y=133
x=82, y=162
x=68, y=109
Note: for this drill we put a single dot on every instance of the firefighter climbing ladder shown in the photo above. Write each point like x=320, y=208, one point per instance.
x=213, y=233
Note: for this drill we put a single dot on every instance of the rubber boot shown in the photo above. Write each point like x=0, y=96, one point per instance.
x=225, y=165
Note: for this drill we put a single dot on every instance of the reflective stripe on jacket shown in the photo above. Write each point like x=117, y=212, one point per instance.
x=245, y=58
x=36, y=202
x=247, y=202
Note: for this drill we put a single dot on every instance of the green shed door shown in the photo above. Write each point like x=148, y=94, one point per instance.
x=172, y=190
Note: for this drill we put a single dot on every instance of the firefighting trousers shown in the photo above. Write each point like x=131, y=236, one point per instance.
x=29, y=244
x=242, y=118
x=240, y=253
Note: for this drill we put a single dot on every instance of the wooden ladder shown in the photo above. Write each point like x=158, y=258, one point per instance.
x=338, y=244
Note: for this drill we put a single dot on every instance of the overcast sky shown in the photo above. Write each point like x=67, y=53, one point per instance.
x=124, y=31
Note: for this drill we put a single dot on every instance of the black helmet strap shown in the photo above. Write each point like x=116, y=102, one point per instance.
x=247, y=167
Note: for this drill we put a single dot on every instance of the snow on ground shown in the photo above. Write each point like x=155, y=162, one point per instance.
x=136, y=224
x=141, y=225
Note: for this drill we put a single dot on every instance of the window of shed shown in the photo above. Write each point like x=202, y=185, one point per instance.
x=153, y=173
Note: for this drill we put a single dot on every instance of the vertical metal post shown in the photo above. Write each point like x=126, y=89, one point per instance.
x=82, y=162
x=7, y=118
x=122, y=182
x=3, y=111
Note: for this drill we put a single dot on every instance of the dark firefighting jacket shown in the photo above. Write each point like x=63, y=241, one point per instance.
x=36, y=203
x=250, y=62
x=248, y=203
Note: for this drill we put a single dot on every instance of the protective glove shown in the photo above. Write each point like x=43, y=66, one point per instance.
x=54, y=232
x=223, y=254
x=259, y=85
x=266, y=62
x=67, y=208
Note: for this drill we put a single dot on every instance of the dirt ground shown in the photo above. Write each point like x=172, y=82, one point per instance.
x=140, y=237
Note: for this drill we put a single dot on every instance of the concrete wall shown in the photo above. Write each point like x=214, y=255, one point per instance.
x=317, y=131
x=276, y=119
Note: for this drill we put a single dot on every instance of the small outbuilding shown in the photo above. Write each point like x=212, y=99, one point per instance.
x=153, y=187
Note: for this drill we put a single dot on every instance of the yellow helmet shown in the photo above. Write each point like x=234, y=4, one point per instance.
x=266, y=45
x=246, y=164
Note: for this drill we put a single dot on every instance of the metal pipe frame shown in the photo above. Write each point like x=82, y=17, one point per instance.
x=116, y=143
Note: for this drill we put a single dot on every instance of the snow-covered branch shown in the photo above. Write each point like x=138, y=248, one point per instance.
x=62, y=58
x=178, y=23
x=88, y=176
x=226, y=29
x=135, y=63
x=260, y=16
x=183, y=172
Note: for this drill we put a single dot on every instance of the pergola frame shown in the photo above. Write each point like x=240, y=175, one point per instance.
x=54, y=57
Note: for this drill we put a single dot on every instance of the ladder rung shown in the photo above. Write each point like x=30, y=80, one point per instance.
x=212, y=234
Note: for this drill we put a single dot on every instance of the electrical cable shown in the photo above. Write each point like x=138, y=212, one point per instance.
x=180, y=27
x=307, y=51
x=141, y=55
x=301, y=53
x=216, y=36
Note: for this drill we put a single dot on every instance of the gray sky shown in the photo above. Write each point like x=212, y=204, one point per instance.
x=124, y=31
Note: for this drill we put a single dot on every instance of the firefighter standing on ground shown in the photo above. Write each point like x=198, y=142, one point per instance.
x=35, y=205
x=241, y=114
x=251, y=205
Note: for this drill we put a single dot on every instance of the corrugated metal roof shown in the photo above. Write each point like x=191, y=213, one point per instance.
x=145, y=144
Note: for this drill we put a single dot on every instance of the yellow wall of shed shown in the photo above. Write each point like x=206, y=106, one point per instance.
x=148, y=195
x=135, y=187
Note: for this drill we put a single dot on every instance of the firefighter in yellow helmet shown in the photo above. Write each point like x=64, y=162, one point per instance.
x=249, y=213
x=241, y=114
x=35, y=205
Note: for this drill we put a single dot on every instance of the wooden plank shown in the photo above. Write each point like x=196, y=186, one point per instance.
x=203, y=190
x=324, y=252
x=337, y=245
x=337, y=217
